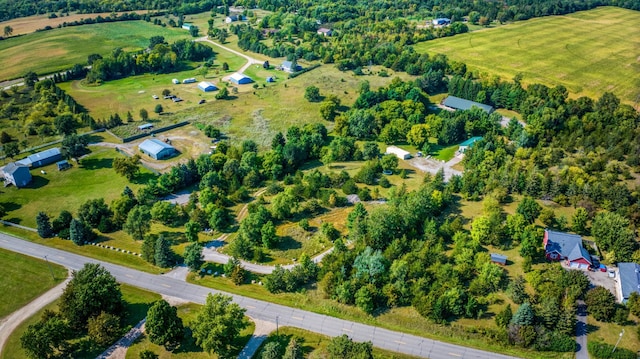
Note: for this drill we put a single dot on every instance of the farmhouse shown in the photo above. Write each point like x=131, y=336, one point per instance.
x=468, y=144
x=288, y=66
x=156, y=149
x=240, y=79
x=441, y=21
x=190, y=80
x=458, y=103
x=498, y=259
x=145, y=126
x=324, y=31
x=399, y=152
x=207, y=86
x=42, y=158
x=565, y=246
x=16, y=174
x=629, y=280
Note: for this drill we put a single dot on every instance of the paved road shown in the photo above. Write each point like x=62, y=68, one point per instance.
x=581, y=331
x=260, y=310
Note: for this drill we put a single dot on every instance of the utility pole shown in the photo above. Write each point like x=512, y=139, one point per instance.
x=50, y=270
x=277, y=331
x=618, y=342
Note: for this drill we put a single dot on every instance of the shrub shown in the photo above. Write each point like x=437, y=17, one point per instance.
x=599, y=350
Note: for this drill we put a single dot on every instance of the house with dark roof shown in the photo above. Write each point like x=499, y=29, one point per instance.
x=458, y=103
x=565, y=246
x=629, y=274
x=16, y=174
x=156, y=149
x=288, y=66
x=43, y=158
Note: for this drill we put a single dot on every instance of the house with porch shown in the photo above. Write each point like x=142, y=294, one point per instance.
x=560, y=246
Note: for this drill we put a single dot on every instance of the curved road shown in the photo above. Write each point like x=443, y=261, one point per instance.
x=258, y=309
x=250, y=60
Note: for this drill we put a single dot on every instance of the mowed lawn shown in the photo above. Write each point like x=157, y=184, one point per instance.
x=59, y=49
x=24, y=278
x=589, y=52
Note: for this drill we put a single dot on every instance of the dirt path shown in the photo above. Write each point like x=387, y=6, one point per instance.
x=260, y=333
x=10, y=323
x=119, y=349
x=250, y=60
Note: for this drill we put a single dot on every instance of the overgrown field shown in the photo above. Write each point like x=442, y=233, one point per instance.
x=588, y=52
x=25, y=278
x=59, y=49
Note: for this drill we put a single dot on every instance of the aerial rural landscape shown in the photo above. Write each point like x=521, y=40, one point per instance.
x=327, y=179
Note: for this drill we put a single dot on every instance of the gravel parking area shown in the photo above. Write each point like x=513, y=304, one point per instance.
x=602, y=279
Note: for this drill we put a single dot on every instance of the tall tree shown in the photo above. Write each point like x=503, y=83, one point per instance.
x=80, y=232
x=44, y=225
x=127, y=167
x=104, y=329
x=163, y=325
x=218, y=324
x=47, y=338
x=529, y=209
x=163, y=254
x=138, y=222
x=191, y=231
x=91, y=291
x=193, y=257
x=601, y=303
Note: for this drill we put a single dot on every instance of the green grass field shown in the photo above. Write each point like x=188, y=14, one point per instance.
x=588, y=52
x=188, y=348
x=25, y=278
x=59, y=49
x=138, y=302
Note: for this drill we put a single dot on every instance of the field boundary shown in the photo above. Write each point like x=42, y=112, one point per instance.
x=152, y=132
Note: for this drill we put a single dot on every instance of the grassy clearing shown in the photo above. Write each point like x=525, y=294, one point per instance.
x=188, y=347
x=25, y=278
x=315, y=345
x=610, y=333
x=588, y=52
x=138, y=302
x=71, y=45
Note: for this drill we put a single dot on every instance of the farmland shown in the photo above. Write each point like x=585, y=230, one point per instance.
x=71, y=45
x=588, y=52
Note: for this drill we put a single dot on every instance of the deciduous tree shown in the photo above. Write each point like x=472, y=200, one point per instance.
x=218, y=324
x=104, y=329
x=163, y=325
x=138, y=222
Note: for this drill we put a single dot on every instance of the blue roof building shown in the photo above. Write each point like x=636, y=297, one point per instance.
x=287, y=66
x=16, y=174
x=240, y=79
x=43, y=158
x=629, y=279
x=468, y=143
x=207, y=86
x=156, y=149
x=458, y=103
x=498, y=258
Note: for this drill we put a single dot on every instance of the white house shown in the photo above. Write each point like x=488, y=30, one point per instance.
x=398, y=152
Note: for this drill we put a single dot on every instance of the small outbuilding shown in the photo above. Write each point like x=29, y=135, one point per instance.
x=468, y=144
x=43, y=158
x=458, y=103
x=240, y=79
x=190, y=80
x=442, y=21
x=63, y=165
x=271, y=79
x=16, y=174
x=498, y=259
x=207, y=86
x=175, y=81
x=156, y=149
x=145, y=126
x=398, y=152
x=288, y=66
x=324, y=31
x=233, y=18
x=187, y=26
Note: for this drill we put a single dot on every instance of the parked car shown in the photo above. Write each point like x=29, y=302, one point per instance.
x=202, y=101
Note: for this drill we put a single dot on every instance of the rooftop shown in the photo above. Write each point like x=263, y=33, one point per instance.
x=567, y=244
x=471, y=141
x=629, y=278
x=463, y=104
x=154, y=145
x=12, y=167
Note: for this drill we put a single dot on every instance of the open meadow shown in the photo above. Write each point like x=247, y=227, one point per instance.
x=58, y=49
x=25, y=278
x=589, y=52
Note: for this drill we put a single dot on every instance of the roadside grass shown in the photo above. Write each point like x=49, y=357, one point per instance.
x=24, y=279
x=188, y=348
x=404, y=319
x=58, y=190
x=138, y=302
x=589, y=52
x=71, y=45
x=315, y=345
x=610, y=333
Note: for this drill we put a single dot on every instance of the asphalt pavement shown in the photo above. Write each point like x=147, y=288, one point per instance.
x=257, y=309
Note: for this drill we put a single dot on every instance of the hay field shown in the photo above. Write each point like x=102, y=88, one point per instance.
x=58, y=49
x=588, y=52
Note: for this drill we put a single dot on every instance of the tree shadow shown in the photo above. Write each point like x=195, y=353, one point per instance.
x=11, y=206
x=14, y=220
x=143, y=178
x=96, y=163
x=93, y=138
x=174, y=237
x=592, y=328
x=287, y=243
x=134, y=313
x=38, y=182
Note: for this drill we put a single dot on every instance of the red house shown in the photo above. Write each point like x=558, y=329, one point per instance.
x=565, y=246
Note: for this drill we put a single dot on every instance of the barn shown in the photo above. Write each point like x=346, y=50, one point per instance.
x=398, y=152
x=240, y=79
x=43, y=158
x=458, y=103
x=207, y=86
x=156, y=149
x=16, y=174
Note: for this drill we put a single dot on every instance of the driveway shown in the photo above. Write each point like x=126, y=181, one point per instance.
x=250, y=60
x=581, y=331
x=432, y=165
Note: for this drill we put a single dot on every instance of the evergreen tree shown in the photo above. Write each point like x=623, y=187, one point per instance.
x=163, y=254
x=44, y=225
x=294, y=350
x=193, y=257
x=524, y=315
x=504, y=317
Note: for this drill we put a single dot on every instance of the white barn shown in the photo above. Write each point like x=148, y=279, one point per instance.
x=398, y=152
x=207, y=86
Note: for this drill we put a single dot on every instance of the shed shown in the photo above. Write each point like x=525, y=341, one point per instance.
x=175, y=81
x=187, y=26
x=468, y=143
x=233, y=18
x=207, y=86
x=458, y=103
x=399, y=152
x=43, y=158
x=145, y=126
x=629, y=279
x=190, y=80
x=324, y=31
x=271, y=79
x=156, y=149
x=288, y=66
x=63, y=165
x=16, y=174
x=441, y=21
x=240, y=79
x=498, y=258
